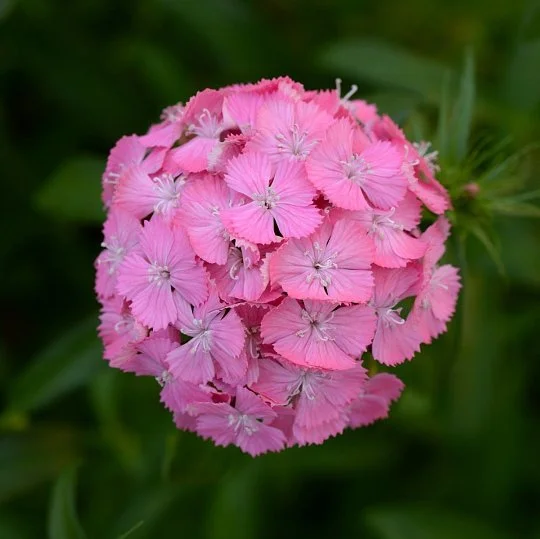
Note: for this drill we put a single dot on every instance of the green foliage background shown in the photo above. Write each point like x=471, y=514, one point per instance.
x=89, y=452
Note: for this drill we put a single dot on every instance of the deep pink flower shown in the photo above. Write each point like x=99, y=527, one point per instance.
x=163, y=266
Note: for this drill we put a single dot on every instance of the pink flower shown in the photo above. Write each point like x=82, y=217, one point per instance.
x=332, y=264
x=261, y=239
x=277, y=195
x=395, y=337
x=128, y=152
x=394, y=244
x=203, y=200
x=118, y=329
x=419, y=166
x=121, y=231
x=204, y=119
x=245, y=424
x=354, y=173
x=320, y=398
x=288, y=130
x=141, y=195
x=217, y=339
x=374, y=399
x=319, y=334
x=241, y=276
x=436, y=302
x=162, y=267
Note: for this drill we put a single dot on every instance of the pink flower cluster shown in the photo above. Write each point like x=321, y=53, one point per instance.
x=259, y=241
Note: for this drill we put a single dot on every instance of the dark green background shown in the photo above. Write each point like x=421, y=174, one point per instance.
x=460, y=455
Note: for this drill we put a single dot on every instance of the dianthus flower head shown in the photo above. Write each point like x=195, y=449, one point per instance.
x=261, y=242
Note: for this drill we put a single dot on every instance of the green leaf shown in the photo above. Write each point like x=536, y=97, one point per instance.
x=420, y=522
x=73, y=191
x=65, y=364
x=386, y=65
x=130, y=532
x=491, y=248
x=63, y=521
x=463, y=111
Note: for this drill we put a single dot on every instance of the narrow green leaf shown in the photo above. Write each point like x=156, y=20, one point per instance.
x=443, y=134
x=133, y=529
x=387, y=65
x=515, y=209
x=63, y=521
x=420, y=522
x=65, y=364
x=73, y=191
x=463, y=111
x=487, y=242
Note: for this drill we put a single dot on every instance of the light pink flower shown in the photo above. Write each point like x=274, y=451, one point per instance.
x=245, y=424
x=354, y=173
x=332, y=264
x=319, y=334
x=163, y=266
x=277, y=195
x=217, y=339
x=374, y=399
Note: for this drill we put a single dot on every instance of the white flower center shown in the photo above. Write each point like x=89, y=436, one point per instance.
x=168, y=190
x=317, y=326
x=208, y=126
x=267, y=200
x=356, y=169
x=295, y=142
x=322, y=264
x=244, y=422
x=202, y=336
x=113, y=255
x=158, y=274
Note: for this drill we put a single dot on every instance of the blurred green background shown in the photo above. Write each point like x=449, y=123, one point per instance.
x=88, y=452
